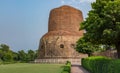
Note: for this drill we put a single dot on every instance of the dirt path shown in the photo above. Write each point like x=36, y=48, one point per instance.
x=78, y=69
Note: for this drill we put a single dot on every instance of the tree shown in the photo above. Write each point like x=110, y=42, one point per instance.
x=22, y=55
x=103, y=23
x=7, y=57
x=15, y=56
x=36, y=54
x=5, y=53
x=86, y=47
x=4, y=47
x=31, y=55
x=1, y=54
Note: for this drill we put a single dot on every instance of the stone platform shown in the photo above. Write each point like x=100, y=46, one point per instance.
x=58, y=61
x=62, y=60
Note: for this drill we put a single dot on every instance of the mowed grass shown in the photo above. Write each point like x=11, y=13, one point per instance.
x=31, y=68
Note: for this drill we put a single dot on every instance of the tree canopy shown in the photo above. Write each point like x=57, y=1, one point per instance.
x=102, y=25
x=86, y=47
x=9, y=56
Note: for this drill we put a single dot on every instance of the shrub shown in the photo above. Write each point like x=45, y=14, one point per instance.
x=1, y=61
x=114, y=66
x=64, y=72
x=67, y=67
x=101, y=64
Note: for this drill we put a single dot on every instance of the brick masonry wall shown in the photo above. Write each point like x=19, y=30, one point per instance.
x=63, y=32
x=65, y=18
x=50, y=47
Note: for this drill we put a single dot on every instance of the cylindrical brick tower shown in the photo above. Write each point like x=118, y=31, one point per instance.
x=65, y=18
x=63, y=32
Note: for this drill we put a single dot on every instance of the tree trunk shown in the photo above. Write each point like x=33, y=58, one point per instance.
x=118, y=49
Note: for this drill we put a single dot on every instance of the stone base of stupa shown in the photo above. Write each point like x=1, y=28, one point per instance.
x=61, y=60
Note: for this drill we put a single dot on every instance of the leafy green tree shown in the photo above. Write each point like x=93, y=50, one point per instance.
x=31, y=55
x=4, y=47
x=22, y=55
x=103, y=23
x=36, y=54
x=86, y=47
x=15, y=56
x=7, y=57
x=1, y=54
x=5, y=53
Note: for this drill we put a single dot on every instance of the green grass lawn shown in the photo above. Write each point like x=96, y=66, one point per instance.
x=31, y=68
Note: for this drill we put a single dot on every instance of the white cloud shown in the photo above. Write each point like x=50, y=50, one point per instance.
x=76, y=1
x=62, y=2
x=90, y=1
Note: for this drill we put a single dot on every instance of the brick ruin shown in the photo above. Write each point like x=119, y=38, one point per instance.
x=63, y=32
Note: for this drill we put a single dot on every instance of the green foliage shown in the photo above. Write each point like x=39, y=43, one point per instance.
x=4, y=48
x=68, y=63
x=114, y=66
x=64, y=72
x=103, y=24
x=84, y=46
x=5, y=53
x=8, y=56
x=101, y=65
x=67, y=67
x=31, y=55
x=1, y=61
x=26, y=57
x=22, y=56
x=15, y=56
x=1, y=54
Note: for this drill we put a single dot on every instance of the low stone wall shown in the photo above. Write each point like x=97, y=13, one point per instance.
x=58, y=61
x=109, y=53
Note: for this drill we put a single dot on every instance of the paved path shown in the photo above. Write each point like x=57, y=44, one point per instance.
x=78, y=69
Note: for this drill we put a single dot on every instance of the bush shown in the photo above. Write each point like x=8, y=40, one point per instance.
x=7, y=57
x=67, y=67
x=1, y=61
x=64, y=72
x=101, y=64
x=114, y=66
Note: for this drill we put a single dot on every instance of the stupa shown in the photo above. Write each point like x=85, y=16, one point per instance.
x=63, y=32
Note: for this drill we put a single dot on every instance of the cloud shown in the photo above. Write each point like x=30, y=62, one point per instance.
x=88, y=1
x=76, y=3
x=69, y=2
x=62, y=2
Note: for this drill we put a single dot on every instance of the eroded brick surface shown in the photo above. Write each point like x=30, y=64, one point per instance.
x=63, y=32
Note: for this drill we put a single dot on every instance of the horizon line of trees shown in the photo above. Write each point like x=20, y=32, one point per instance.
x=7, y=55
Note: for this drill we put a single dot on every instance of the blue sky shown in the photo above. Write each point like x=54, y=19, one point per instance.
x=23, y=22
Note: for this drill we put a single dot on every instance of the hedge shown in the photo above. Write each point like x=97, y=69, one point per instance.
x=67, y=67
x=101, y=64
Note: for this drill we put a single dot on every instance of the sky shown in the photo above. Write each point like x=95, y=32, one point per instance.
x=24, y=22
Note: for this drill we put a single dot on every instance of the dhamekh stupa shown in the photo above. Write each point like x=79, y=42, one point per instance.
x=63, y=32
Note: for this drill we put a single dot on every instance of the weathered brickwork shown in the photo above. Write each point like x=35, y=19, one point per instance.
x=63, y=32
x=65, y=18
